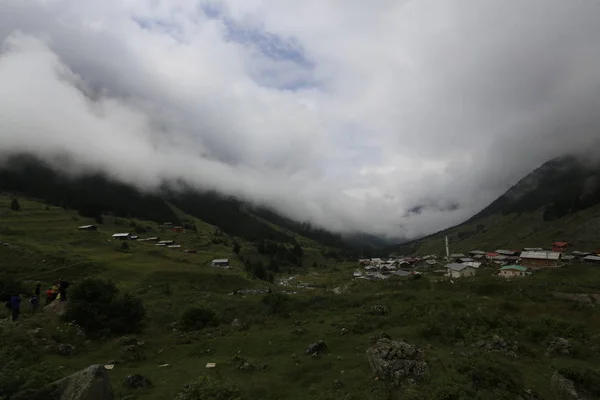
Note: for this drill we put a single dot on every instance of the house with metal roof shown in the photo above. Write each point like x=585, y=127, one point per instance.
x=512, y=271
x=477, y=253
x=221, y=262
x=88, y=228
x=508, y=252
x=540, y=259
x=559, y=246
x=592, y=259
x=456, y=270
x=121, y=236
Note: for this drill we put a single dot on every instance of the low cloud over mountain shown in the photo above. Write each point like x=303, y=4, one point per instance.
x=396, y=118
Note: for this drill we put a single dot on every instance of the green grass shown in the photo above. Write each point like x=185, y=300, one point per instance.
x=430, y=312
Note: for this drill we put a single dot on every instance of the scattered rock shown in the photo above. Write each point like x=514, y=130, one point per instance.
x=559, y=346
x=316, y=347
x=239, y=325
x=377, y=337
x=563, y=388
x=379, y=309
x=498, y=344
x=299, y=331
x=344, y=332
x=396, y=361
x=247, y=367
x=91, y=383
x=65, y=349
x=337, y=384
x=136, y=382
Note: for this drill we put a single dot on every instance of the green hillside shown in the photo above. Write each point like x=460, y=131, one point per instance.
x=447, y=320
x=560, y=201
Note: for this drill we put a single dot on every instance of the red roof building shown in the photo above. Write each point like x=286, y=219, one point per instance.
x=559, y=246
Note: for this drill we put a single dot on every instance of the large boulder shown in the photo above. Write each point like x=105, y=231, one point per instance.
x=563, y=388
x=91, y=383
x=396, y=361
x=559, y=346
x=57, y=307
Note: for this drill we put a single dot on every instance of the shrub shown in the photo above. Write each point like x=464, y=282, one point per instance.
x=277, y=303
x=207, y=387
x=124, y=246
x=14, y=205
x=96, y=306
x=20, y=368
x=196, y=318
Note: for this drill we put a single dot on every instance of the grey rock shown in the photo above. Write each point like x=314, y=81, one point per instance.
x=239, y=325
x=136, y=382
x=381, y=335
x=65, y=349
x=379, y=309
x=316, y=347
x=344, y=332
x=337, y=384
x=397, y=361
x=247, y=367
x=559, y=346
x=91, y=383
x=563, y=388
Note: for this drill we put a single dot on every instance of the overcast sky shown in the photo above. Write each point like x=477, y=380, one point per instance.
x=346, y=113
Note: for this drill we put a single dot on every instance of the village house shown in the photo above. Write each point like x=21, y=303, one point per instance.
x=592, y=259
x=149, y=239
x=402, y=273
x=465, y=260
x=580, y=254
x=456, y=257
x=508, y=253
x=165, y=243
x=512, y=271
x=177, y=229
x=357, y=274
x=121, y=236
x=221, y=263
x=559, y=246
x=473, y=264
x=533, y=249
x=540, y=259
x=474, y=253
x=88, y=228
x=455, y=270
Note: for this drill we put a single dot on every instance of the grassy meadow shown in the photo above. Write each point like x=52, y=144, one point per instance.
x=445, y=318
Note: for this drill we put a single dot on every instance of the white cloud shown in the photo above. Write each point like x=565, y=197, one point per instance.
x=391, y=106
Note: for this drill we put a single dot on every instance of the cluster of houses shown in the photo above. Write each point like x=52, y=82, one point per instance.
x=219, y=263
x=511, y=263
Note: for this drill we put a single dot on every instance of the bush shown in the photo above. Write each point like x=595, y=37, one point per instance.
x=14, y=205
x=277, y=303
x=20, y=368
x=207, y=387
x=96, y=306
x=196, y=318
x=124, y=246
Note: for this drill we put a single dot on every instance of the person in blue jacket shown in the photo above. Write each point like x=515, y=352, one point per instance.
x=15, y=306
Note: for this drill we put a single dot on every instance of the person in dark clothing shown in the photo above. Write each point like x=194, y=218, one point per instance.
x=15, y=306
x=62, y=289
x=34, y=302
x=38, y=289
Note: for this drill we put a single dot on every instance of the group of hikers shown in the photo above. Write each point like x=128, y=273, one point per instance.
x=58, y=291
